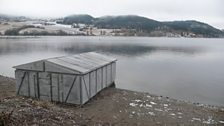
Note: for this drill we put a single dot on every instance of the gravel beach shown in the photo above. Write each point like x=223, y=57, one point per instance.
x=111, y=107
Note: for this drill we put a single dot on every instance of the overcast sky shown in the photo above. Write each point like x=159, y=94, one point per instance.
x=208, y=11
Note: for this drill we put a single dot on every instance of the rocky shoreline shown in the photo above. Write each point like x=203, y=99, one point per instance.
x=111, y=107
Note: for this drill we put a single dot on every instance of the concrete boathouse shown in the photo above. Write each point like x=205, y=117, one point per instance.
x=68, y=79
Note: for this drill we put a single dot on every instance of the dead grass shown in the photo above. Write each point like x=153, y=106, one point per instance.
x=42, y=104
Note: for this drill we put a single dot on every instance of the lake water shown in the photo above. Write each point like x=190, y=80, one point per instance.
x=183, y=68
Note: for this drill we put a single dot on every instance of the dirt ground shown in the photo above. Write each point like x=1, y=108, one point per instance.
x=111, y=107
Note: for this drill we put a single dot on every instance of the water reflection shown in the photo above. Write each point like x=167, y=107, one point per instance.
x=121, y=49
x=130, y=50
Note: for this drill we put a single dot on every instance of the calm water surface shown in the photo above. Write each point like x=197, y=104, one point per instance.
x=187, y=69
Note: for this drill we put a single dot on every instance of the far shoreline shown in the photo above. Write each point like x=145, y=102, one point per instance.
x=39, y=36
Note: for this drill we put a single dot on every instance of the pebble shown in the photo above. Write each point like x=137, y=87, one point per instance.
x=165, y=105
x=148, y=96
x=147, y=105
x=172, y=114
x=151, y=113
x=115, y=117
x=141, y=105
x=196, y=119
x=137, y=100
x=133, y=104
x=153, y=103
x=160, y=110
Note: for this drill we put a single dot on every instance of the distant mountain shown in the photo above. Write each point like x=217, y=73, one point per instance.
x=144, y=24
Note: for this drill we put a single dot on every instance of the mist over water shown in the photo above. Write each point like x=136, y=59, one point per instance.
x=186, y=69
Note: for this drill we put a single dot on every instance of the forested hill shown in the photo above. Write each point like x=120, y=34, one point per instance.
x=10, y=17
x=143, y=24
x=195, y=27
x=129, y=21
x=82, y=18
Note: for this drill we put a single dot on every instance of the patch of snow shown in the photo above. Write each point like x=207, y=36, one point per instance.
x=206, y=122
x=160, y=110
x=133, y=112
x=153, y=103
x=148, y=96
x=133, y=104
x=199, y=105
x=209, y=121
x=137, y=100
x=141, y=105
x=221, y=122
x=179, y=113
x=64, y=26
x=196, y=119
x=180, y=117
x=165, y=105
x=167, y=109
x=58, y=117
x=147, y=105
x=151, y=113
x=172, y=114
